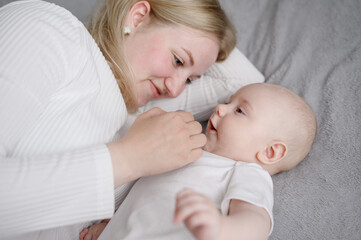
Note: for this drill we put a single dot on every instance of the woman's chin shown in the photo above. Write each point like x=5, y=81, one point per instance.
x=142, y=102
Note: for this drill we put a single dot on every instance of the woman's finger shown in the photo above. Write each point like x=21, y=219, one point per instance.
x=194, y=127
x=151, y=113
x=186, y=116
x=198, y=141
x=157, y=142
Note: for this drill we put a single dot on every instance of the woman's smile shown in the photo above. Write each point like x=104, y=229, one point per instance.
x=154, y=89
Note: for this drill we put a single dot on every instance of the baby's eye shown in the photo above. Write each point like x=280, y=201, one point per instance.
x=177, y=61
x=188, y=81
x=239, y=110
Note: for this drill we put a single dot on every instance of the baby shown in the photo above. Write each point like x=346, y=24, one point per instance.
x=264, y=129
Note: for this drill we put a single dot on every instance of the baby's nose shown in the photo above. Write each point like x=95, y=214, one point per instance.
x=220, y=110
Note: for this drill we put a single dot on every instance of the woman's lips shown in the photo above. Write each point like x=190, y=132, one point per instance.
x=154, y=89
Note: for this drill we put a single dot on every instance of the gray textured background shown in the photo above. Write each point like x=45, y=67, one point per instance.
x=80, y=8
x=314, y=48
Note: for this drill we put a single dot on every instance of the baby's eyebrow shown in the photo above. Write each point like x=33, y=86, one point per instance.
x=247, y=105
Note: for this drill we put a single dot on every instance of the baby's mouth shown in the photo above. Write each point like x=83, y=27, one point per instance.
x=211, y=126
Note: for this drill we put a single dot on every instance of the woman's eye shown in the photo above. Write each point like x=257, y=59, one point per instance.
x=177, y=61
x=188, y=81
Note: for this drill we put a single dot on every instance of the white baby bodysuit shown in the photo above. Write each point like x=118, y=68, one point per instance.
x=147, y=212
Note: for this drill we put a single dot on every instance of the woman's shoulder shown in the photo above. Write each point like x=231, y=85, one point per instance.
x=42, y=18
x=37, y=33
x=39, y=7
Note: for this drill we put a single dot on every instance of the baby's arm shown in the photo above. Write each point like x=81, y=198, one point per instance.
x=245, y=221
x=204, y=221
x=199, y=214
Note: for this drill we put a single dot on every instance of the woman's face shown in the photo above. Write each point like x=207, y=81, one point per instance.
x=164, y=58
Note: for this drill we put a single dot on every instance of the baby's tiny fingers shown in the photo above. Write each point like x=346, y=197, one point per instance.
x=187, y=209
x=184, y=192
x=196, y=220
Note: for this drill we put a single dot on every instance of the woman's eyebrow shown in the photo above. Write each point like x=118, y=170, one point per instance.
x=190, y=56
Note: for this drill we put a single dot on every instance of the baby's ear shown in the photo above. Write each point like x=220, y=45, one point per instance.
x=273, y=153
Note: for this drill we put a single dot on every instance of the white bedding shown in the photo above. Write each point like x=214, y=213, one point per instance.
x=314, y=48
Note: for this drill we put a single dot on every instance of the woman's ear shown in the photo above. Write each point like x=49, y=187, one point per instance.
x=140, y=12
x=273, y=153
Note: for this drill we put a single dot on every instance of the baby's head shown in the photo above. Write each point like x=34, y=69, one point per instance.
x=263, y=123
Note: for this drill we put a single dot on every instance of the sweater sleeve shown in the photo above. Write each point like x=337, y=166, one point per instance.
x=42, y=192
x=219, y=82
x=48, y=190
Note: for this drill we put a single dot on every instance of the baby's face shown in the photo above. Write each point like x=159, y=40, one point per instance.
x=244, y=125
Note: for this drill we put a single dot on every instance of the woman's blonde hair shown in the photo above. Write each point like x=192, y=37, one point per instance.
x=107, y=25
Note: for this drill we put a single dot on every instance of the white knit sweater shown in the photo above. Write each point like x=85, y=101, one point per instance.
x=59, y=106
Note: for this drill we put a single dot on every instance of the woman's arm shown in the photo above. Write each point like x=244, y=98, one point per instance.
x=58, y=108
x=42, y=192
x=39, y=44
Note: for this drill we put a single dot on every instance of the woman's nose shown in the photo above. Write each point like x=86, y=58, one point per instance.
x=175, y=85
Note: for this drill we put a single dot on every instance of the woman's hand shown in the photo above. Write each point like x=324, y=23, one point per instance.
x=157, y=142
x=199, y=214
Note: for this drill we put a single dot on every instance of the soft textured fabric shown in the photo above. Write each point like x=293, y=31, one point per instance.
x=312, y=47
x=59, y=105
x=148, y=210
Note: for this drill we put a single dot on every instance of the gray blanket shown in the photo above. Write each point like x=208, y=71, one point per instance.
x=314, y=48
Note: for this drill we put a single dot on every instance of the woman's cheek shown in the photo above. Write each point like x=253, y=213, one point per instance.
x=163, y=66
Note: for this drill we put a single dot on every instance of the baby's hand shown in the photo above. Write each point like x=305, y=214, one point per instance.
x=93, y=232
x=199, y=213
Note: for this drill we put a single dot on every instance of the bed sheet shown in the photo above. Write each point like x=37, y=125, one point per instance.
x=314, y=48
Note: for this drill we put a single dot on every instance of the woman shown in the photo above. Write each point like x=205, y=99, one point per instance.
x=64, y=97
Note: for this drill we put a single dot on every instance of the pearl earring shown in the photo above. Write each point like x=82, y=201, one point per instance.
x=127, y=30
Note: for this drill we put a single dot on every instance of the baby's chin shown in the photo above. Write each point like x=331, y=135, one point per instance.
x=208, y=147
